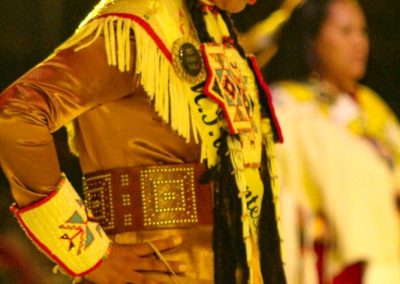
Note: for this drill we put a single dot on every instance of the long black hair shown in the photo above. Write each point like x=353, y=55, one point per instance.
x=230, y=261
x=296, y=57
x=229, y=250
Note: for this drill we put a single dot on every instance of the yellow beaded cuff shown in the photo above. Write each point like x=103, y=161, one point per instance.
x=59, y=226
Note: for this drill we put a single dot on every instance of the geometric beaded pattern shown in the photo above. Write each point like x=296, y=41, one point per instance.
x=98, y=198
x=168, y=196
x=124, y=180
x=68, y=236
x=127, y=220
x=126, y=200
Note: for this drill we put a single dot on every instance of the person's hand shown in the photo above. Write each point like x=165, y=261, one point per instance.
x=126, y=262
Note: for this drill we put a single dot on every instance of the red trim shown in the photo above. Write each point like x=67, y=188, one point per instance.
x=50, y=254
x=18, y=212
x=228, y=41
x=207, y=86
x=15, y=210
x=267, y=92
x=320, y=253
x=145, y=25
x=352, y=274
x=4, y=97
x=210, y=8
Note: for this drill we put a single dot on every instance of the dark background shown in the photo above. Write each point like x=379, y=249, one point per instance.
x=31, y=29
x=383, y=18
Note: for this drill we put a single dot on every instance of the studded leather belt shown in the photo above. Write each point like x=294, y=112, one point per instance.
x=149, y=197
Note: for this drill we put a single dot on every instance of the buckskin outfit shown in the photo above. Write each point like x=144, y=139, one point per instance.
x=168, y=132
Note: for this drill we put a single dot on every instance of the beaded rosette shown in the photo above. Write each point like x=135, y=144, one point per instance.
x=60, y=227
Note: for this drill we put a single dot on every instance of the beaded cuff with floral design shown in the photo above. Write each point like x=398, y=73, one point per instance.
x=60, y=226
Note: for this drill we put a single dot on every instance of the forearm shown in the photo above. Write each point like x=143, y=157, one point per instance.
x=61, y=228
x=27, y=152
x=28, y=159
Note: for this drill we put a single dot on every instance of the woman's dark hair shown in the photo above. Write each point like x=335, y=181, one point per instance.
x=295, y=57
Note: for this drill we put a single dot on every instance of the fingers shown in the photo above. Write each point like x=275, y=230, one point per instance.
x=144, y=249
x=151, y=264
x=138, y=278
x=120, y=275
x=126, y=262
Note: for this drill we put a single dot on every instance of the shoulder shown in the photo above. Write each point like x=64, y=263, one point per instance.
x=117, y=22
x=286, y=93
x=297, y=90
x=372, y=103
x=113, y=7
x=295, y=104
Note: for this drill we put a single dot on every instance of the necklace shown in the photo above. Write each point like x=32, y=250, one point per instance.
x=352, y=112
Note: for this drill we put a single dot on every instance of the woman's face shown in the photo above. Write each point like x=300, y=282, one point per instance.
x=233, y=6
x=342, y=45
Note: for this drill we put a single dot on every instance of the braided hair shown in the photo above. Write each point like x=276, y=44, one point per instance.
x=230, y=261
x=230, y=264
x=197, y=15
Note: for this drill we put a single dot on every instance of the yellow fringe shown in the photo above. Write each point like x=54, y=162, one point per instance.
x=163, y=86
x=237, y=159
x=171, y=96
x=268, y=141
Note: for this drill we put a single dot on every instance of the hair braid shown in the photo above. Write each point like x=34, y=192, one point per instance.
x=232, y=32
x=197, y=15
x=230, y=262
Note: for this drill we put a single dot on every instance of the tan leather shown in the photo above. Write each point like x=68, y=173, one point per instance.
x=116, y=127
x=109, y=107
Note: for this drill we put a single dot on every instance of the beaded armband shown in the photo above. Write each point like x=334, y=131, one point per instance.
x=60, y=227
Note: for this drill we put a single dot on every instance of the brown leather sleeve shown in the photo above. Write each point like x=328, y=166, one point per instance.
x=52, y=94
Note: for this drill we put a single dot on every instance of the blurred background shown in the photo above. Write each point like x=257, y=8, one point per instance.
x=31, y=29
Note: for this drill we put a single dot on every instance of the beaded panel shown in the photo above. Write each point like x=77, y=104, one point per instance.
x=99, y=199
x=168, y=196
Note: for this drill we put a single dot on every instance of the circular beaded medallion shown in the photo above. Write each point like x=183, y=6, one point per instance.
x=188, y=61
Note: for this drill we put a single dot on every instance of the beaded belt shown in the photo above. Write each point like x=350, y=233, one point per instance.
x=149, y=197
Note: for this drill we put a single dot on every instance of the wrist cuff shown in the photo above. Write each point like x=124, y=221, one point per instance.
x=59, y=226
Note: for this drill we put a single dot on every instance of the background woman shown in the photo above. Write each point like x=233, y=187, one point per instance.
x=155, y=141
x=341, y=158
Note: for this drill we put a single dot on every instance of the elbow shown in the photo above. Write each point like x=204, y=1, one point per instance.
x=20, y=124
